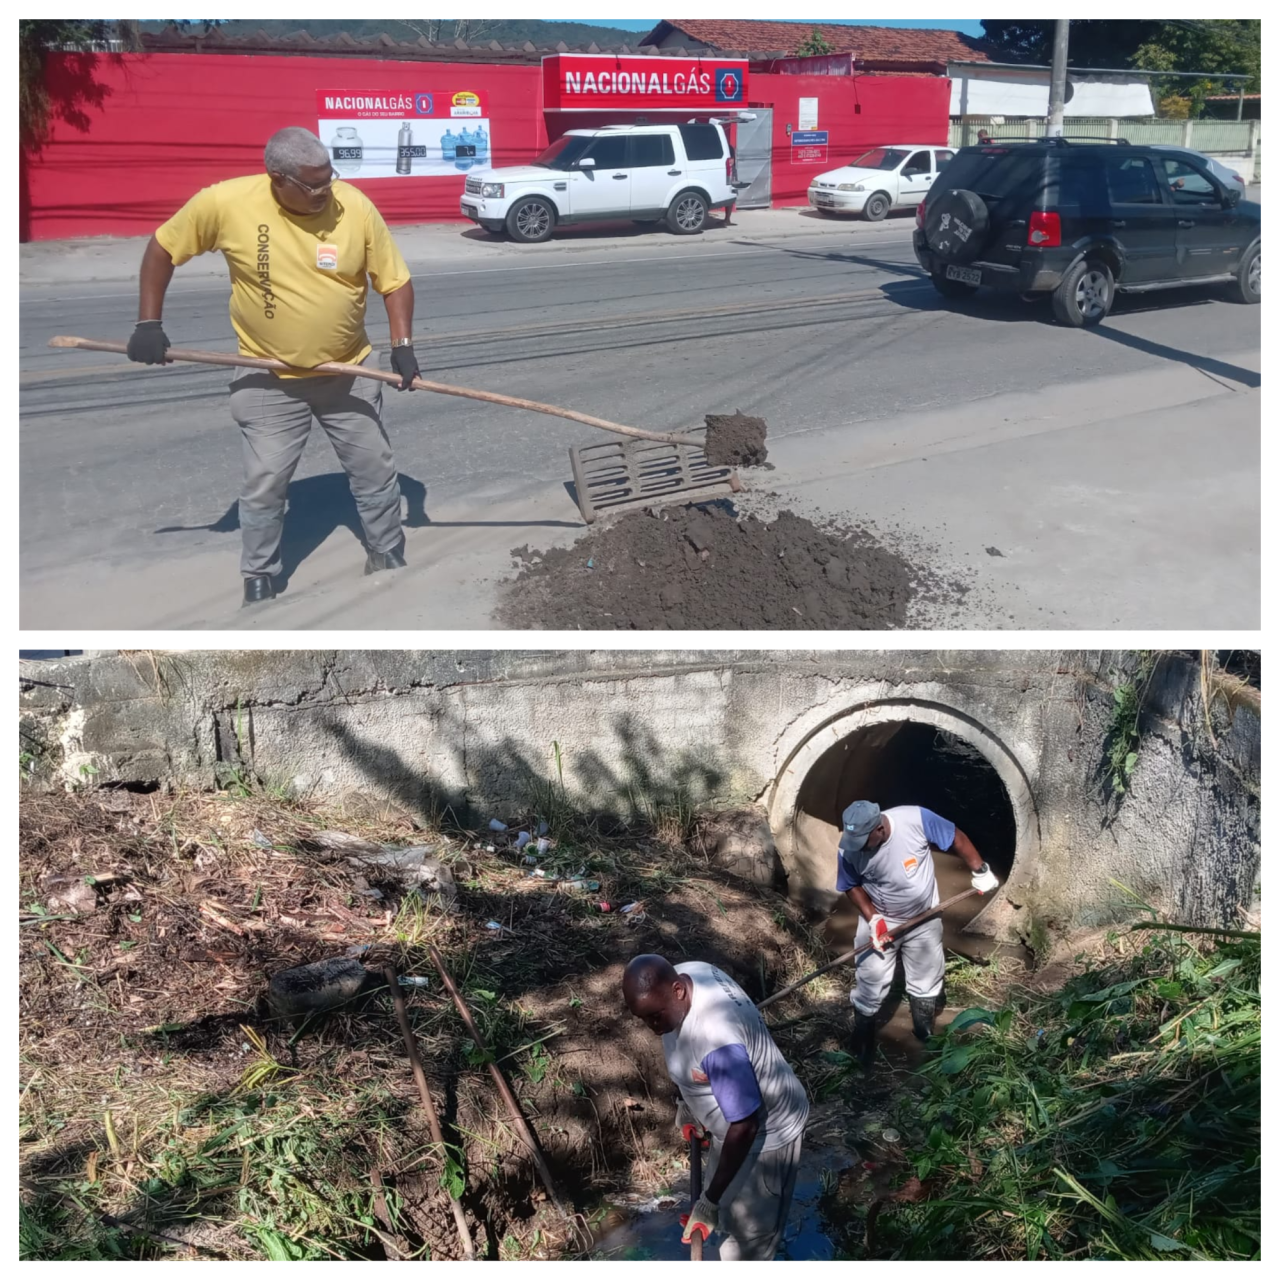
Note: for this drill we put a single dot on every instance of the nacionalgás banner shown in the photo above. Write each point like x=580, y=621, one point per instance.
x=411, y=134
x=590, y=82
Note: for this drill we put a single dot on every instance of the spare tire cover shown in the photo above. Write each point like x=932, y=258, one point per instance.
x=956, y=224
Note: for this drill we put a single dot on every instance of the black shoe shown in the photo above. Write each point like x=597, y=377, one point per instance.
x=379, y=560
x=923, y=1009
x=258, y=588
x=864, y=1039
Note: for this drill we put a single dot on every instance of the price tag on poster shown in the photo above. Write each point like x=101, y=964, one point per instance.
x=809, y=147
x=415, y=133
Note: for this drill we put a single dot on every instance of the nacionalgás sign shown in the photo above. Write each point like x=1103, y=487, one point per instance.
x=587, y=82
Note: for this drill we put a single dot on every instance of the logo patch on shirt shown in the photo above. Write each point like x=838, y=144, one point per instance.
x=908, y=864
x=327, y=257
x=699, y=1077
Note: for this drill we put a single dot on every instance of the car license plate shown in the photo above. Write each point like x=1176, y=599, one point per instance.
x=824, y=200
x=468, y=210
x=966, y=275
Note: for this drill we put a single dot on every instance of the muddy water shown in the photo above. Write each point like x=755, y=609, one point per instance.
x=654, y=1232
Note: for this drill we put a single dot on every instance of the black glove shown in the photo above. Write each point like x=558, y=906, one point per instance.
x=148, y=343
x=405, y=363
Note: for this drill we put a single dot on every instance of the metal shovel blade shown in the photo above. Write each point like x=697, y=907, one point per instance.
x=619, y=473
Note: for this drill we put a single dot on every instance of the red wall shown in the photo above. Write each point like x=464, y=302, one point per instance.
x=137, y=135
x=141, y=134
x=893, y=109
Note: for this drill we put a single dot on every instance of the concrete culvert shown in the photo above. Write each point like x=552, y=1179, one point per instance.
x=905, y=762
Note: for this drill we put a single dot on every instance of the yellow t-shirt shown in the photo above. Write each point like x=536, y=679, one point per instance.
x=298, y=282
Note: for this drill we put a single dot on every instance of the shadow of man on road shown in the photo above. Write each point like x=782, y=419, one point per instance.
x=318, y=506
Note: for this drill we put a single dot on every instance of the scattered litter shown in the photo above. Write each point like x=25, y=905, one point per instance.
x=496, y=825
x=543, y=843
x=542, y=828
x=891, y=1135
x=630, y=907
x=492, y=924
x=262, y=841
x=529, y=860
x=522, y=839
x=604, y=906
x=419, y=872
x=489, y=848
x=408, y=980
x=591, y=564
x=358, y=949
x=582, y=886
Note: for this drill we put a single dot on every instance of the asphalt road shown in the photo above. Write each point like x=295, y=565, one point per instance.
x=129, y=475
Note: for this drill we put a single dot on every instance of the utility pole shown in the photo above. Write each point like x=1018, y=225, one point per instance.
x=1058, y=77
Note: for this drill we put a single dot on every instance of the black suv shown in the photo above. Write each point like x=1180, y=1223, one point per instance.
x=1082, y=219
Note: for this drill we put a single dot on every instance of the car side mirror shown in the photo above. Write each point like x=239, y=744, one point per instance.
x=1231, y=196
x=586, y=163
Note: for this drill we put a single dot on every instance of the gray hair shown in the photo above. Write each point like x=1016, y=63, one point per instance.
x=294, y=148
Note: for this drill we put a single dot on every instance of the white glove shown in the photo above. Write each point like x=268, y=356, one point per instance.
x=879, y=932
x=984, y=879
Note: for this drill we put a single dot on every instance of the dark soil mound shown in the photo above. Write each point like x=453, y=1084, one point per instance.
x=706, y=568
x=735, y=440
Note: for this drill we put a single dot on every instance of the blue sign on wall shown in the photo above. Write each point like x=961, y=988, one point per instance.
x=811, y=138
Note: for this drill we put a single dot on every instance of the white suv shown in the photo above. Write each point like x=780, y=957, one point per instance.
x=644, y=172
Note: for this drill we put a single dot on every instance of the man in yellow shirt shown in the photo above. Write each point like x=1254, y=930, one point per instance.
x=301, y=248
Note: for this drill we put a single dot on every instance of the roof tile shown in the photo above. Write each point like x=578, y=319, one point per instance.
x=897, y=44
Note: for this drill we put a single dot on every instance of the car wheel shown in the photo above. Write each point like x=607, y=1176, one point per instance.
x=952, y=288
x=877, y=207
x=1248, y=281
x=1085, y=295
x=688, y=213
x=531, y=220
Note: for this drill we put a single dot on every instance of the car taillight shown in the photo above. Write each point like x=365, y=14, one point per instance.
x=920, y=216
x=728, y=170
x=1044, y=231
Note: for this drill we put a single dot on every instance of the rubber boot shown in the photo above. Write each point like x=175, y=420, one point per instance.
x=923, y=1009
x=257, y=588
x=377, y=561
x=864, y=1038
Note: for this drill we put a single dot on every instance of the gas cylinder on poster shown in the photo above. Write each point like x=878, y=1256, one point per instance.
x=347, y=150
x=404, y=149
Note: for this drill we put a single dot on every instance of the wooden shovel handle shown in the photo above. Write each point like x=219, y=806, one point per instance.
x=382, y=375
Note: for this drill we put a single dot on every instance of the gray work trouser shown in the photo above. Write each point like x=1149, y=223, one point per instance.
x=275, y=420
x=923, y=963
x=755, y=1205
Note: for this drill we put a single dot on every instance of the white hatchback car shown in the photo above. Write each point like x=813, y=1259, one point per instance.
x=884, y=178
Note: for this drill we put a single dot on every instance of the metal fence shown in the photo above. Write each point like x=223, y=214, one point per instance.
x=1210, y=136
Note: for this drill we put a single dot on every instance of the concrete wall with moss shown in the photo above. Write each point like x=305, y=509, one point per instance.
x=631, y=732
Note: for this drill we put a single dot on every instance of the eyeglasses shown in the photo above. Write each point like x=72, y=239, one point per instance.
x=311, y=191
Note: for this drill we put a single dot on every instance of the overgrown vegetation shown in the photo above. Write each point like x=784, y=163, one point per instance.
x=162, y=1111
x=815, y=44
x=1124, y=733
x=1116, y=1118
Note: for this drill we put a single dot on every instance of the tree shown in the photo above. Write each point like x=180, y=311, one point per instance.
x=36, y=39
x=1223, y=45
x=814, y=45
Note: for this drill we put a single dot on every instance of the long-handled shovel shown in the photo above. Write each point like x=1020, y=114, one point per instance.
x=695, y=1191
x=905, y=927
x=604, y=475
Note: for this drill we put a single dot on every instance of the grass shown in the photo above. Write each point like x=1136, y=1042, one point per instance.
x=1117, y=1118
x=189, y=1120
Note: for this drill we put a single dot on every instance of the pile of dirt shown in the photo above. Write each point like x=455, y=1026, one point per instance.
x=735, y=440
x=707, y=568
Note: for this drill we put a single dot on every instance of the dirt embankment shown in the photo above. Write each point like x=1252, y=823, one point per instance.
x=151, y=927
x=708, y=568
